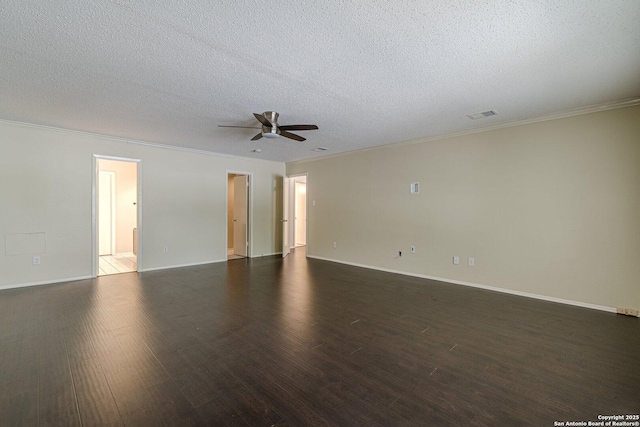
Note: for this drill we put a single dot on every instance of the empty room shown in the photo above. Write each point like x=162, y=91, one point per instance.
x=319, y=214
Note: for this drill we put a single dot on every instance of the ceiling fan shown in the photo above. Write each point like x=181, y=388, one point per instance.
x=271, y=129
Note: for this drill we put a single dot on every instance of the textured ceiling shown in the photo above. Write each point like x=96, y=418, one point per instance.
x=367, y=72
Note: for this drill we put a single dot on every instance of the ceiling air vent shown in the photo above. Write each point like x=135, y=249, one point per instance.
x=319, y=149
x=482, y=115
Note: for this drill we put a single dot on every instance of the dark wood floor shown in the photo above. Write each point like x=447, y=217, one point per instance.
x=305, y=342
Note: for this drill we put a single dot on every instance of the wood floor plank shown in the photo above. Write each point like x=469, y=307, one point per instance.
x=229, y=389
x=297, y=341
x=95, y=401
x=58, y=404
x=20, y=409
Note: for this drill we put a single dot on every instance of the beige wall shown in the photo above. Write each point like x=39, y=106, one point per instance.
x=126, y=195
x=550, y=208
x=46, y=186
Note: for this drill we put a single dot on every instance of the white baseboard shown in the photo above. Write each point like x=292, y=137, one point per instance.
x=44, y=282
x=73, y=279
x=182, y=265
x=371, y=267
x=263, y=255
x=476, y=285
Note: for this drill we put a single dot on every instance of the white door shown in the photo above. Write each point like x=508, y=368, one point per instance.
x=240, y=203
x=287, y=214
x=301, y=214
x=106, y=213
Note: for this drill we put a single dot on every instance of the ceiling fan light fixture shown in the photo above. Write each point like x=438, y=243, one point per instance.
x=272, y=132
x=271, y=129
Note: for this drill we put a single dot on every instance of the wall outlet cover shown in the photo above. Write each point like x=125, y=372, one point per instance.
x=627, y=311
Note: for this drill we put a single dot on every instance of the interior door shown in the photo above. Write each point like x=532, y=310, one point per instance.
x=240, y=204
x=300, y=234
x=106, y=213
x=286, y=214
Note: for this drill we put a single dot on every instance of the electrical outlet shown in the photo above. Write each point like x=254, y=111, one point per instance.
x=165, y=250
x=36, y=260
x=413, y=249
x=456, y=260
x=335, y=245
x=472, y=262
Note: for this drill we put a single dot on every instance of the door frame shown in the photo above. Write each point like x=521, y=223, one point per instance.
x=292, y=203
x=94, y=210
x=112, y=177
x=287, y=207
x=249, y=210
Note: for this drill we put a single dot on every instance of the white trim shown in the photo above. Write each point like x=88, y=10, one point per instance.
x=112, y=178
x=94, y=204
x=215, y=261
x=45, y=282
x=476, y=285
x=249, y=214
x=263, y=255
x=631, y=102
x=134, y=141
x=306, y=181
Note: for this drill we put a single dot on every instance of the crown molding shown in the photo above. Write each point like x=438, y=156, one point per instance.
x=133, y=141
x=630, y=102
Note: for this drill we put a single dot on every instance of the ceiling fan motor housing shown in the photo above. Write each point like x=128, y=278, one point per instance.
x=272, y=116
x=273, y=131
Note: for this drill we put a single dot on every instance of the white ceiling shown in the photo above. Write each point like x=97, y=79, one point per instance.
x=367, y=72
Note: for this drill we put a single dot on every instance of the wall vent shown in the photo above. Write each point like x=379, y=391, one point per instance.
x=415, y=187
x=482, y=115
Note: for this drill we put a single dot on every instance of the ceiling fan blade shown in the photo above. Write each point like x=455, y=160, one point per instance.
x=299, y=127
x=257, y=137
x=262, y=119
x=291, y=135
x=243, y=127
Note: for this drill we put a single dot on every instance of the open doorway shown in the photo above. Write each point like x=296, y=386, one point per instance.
x=300, y=211
x=116, y=208
x=238, y=190
x=294, y=211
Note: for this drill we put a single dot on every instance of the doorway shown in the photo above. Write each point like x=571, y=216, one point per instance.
x=116, y=211
x=294, y=222
x=300, y=211
x=238, y=227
